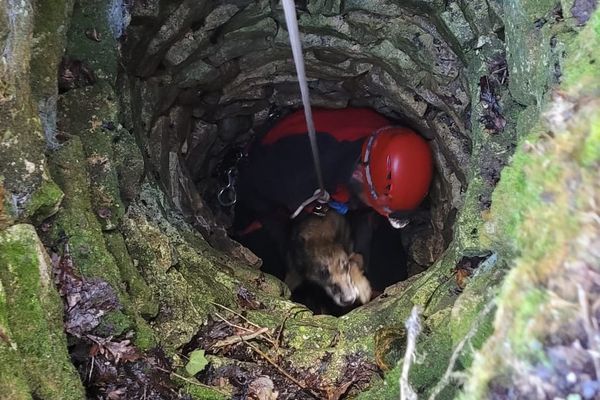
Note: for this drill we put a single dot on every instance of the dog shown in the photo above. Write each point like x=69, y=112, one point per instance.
x=321, y=252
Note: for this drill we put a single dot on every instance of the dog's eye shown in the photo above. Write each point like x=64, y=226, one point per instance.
x=323, y=273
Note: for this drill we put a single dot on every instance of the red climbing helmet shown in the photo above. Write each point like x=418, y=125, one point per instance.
x=397, y=165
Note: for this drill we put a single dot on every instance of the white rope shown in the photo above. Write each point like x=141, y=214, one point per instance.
x=289, y=8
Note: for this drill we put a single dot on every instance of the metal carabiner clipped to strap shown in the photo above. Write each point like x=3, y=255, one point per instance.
x=227, y=196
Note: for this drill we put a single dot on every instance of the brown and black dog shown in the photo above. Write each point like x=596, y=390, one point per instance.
x=321, y=252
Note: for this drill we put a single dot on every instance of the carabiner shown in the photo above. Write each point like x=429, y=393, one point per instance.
x=227, y=196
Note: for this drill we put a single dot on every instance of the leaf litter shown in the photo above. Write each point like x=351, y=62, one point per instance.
x=110, y=367
x=256, y=368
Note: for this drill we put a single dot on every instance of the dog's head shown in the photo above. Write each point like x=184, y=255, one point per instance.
x=331, y=269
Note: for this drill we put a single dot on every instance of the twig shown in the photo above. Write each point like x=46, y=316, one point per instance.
x=232, y=324
x=413, y=328
x=194, y=308
x=183, y=378
x=442, y=383
x=267, y=337
x=239, y=338
x=587, y=324
x=281, y=327
x=91, y=369
x=235, y=313
x=281, y=370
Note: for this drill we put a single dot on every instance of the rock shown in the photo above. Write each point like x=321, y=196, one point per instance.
x=32, y=195
x=150, y=97
x=187, y=12
x=382, y=7
x=33, y=344
x=400, y=98
x=458, y=25
x=455, y=147
x=528, y=50
x=324, y=7
x=94, y=122
x=328, y=56
x=49, y=40
x=197, y=145
x=147, y=9
x=231, y=49
x=246, y=18
x=582, y=10
x=195, y=74
x=219, y=15
x=186, y=46
x=481, y=16
x=288, y=95
x=230, y=127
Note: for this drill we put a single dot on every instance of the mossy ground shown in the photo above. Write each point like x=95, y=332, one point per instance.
x=32, y=312
x=542, y=203
x=163, y=270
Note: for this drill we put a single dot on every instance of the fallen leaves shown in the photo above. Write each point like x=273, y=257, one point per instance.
x=246, y=299
x=117, y=351
x=86, y=300
x=492, y=117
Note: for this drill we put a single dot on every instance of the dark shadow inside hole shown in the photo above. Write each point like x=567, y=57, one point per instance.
x=383, y=247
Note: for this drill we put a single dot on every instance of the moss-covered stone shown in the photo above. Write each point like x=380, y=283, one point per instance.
x=530, y=29
x=91, y=113
x=91, y=37
x=13, y=383
x=52, y=20
x=77, y=219
x=538, y=213
x=45, y=201
x=22, y=151
x=33, y=313
x=143, y=299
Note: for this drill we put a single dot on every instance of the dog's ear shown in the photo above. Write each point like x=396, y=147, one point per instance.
x=357, y=259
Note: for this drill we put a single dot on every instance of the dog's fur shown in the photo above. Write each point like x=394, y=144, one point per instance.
x=321, y=252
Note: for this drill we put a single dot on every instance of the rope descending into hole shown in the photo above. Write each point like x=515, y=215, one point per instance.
x=289, y=9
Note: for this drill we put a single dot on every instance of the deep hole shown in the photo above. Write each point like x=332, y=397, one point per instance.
x=386, y=254
x=217, y=90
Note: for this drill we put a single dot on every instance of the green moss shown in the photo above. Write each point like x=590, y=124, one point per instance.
x=35, y=315
x=529, y=304
x=590, y=153
x=85, y=112
x=143, y=300
x=49, y=32
x=582, y=66
x=145, y=337
x=203, y=393
x=509, y=200
x=101, y=55
x=44, y=202
x=13, y=383
x=388, y=388
x=77, y=220
x=114, y=323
